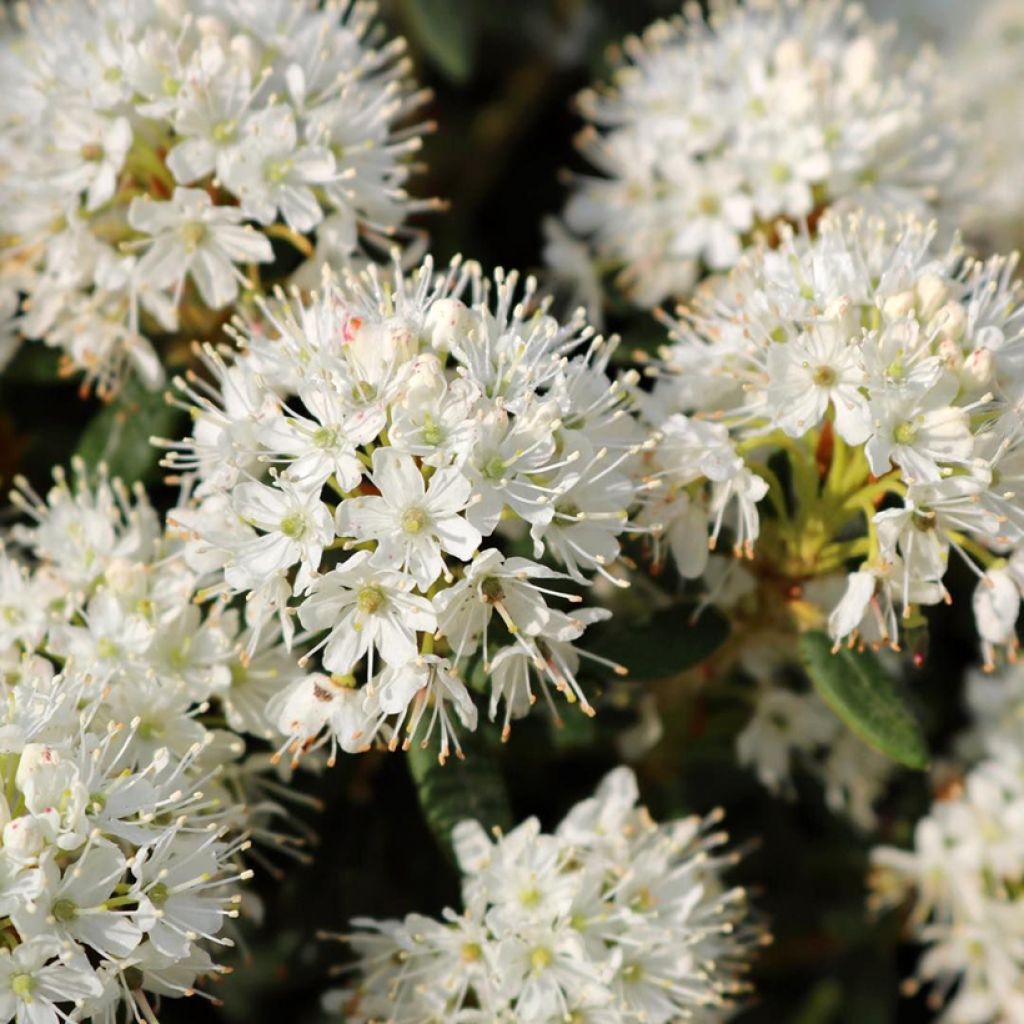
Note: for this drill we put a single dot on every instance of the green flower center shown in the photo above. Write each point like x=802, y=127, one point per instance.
x=64, y=910
x=278, y=171
x=905, y=433
x=370, y=600
x=293, y=525
x=540, y=958
x=325, y=437
x=491, y=590
x=632, y=973
x=529, y=897
x=432, y=433
x=494, y=468
x=709, y=205
x=22, y=985
x=413, y=520
x=159, y=894
x=224, y=131
x=106, y=648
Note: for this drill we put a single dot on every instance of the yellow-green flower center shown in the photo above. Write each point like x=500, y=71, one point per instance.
x=905, y=433
x=540, y=958
x=64, y=910
x=370, y=600
x=293, y=525
x=413, y=520
x=22, y=985
x=192, y=234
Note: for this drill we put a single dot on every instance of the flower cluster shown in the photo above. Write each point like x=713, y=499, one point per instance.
x=613, y=917
x=772, y=110
x=348, y=467
x=790, y=728
x=151, y=150
x=868, y=388
x=105, y=588
x=964, y=875
x=987, y=67
x=123, y=811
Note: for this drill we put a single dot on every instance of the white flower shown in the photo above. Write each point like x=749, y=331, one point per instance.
x=164, y=127
x=356, y=468
x=919, y=431
x=996, y=607
x=33, y=981
x=75, y=908
x=366, y=608
x=961, y=874
x=412, y=522
x=832, y=386
x=191, y=236
x=712, y=128
x=493, y=583
x=296, y=526
x=783, y=724
x=426, y=685
x=272, y=173
x=820, y=369
x=611, y=914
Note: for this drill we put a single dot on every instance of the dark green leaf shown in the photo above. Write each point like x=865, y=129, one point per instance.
x=459, y=789
x=119, y=433
x=859, y=691
x=446, y=31
x=34, y=364
x=671, y=641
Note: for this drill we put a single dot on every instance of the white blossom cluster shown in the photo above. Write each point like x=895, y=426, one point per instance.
x=886, y=377
x=790, y=729
x=964, y=873
x=712, y=131
x=151, y=149
x=987, y=68
x=350, y=465
x=123, y=811
x=612, y=918
x=982, y=49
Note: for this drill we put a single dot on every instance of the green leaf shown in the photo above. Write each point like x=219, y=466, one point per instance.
x=119, y=433
x=460, y=789
x=858, y=690
x=446, y=31
x=671, y=641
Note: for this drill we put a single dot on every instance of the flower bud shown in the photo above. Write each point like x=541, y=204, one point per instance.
x=932, y=292
x=900, y=305
x=979, y=369
x=949, y=321
x=448, y=322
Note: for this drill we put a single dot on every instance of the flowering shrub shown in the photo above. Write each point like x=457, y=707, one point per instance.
x=732, y=463
x=611, y=915
x=152, y=151
x=396, y=426
x=714, y=130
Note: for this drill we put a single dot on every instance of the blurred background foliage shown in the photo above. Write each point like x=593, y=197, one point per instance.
x=503, y=75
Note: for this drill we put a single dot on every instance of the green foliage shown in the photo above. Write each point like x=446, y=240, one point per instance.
x=673, y=640
x=859, y=691
x=458, y=789
x=445, y=31
x=119, y=433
